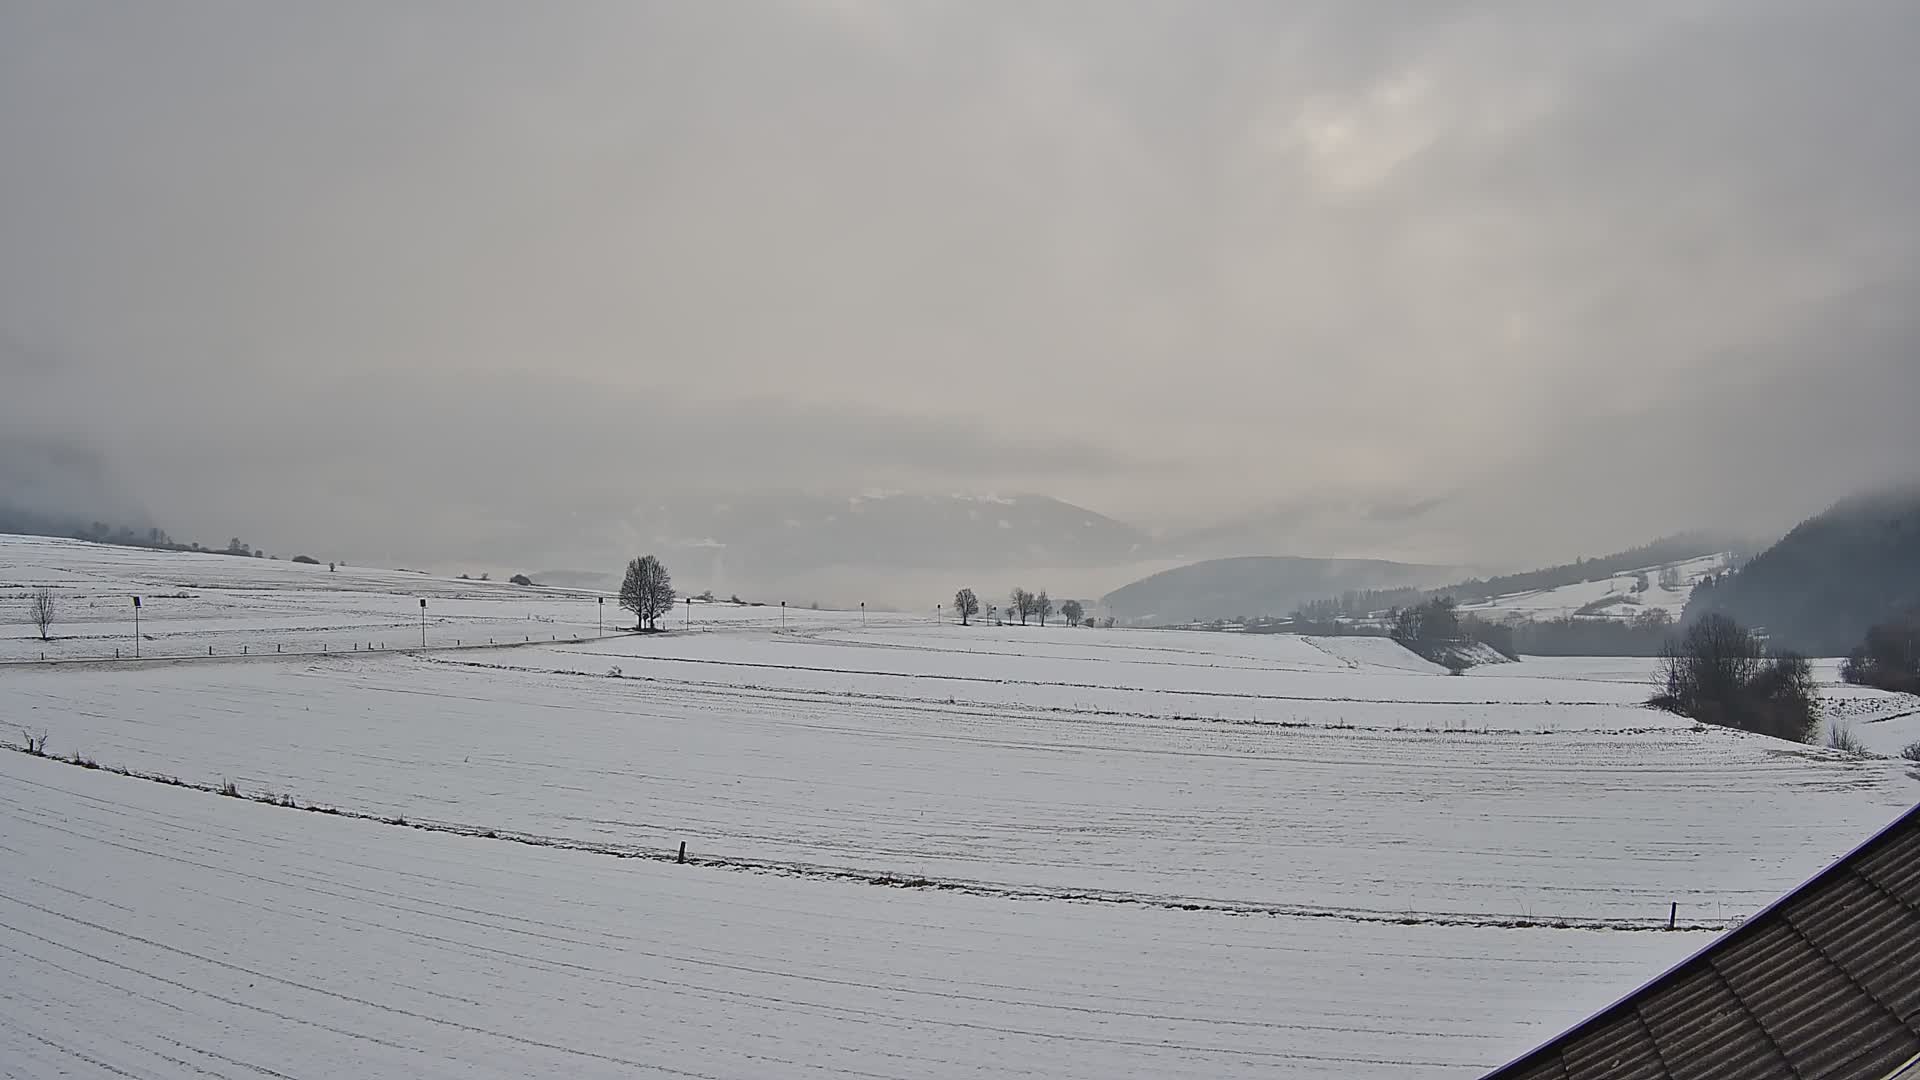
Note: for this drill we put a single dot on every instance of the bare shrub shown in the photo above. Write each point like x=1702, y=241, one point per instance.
x=1841, y=737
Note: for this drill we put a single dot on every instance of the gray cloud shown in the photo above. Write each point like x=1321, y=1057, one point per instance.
x=1584, y=275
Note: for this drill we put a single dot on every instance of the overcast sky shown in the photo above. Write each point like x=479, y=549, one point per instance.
x=1569, y=275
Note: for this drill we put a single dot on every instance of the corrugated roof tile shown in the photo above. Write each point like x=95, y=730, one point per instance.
x=1823, y=985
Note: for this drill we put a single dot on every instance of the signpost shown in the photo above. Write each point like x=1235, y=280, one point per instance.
x=423, y=622
x=136, y=628
x=603, y=615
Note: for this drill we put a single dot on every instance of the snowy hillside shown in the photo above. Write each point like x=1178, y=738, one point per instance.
x=1611, y=597
x=915, y=849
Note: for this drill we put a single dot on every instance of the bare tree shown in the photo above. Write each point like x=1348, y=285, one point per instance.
x=1670, y=578
x=647, y=592
x=1704, y=671
x=1022, y=604
x=41, y=610
x=1042, y=606
x=1072, y=612
x=1718, y=673
x=967, y=604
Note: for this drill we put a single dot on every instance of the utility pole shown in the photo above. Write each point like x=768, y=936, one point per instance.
x=136, y=628
x=423, y=622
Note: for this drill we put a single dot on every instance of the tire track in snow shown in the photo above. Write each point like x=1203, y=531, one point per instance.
x=162, y=952
x=1235, y=695
x=972, y=887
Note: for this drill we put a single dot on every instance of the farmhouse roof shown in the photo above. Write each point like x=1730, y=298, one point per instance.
x=1823, y=984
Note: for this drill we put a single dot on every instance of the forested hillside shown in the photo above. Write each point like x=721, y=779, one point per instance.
x=1827, y=581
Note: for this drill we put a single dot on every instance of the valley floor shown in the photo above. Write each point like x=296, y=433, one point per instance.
x=915, y=849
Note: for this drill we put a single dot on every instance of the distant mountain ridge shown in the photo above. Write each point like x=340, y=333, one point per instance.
x=771, y=535
x=1257, y=586
x=51, y=487
x=1275, y=586
x=1318, y=523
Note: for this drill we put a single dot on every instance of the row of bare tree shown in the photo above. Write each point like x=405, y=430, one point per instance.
x=1021, y=603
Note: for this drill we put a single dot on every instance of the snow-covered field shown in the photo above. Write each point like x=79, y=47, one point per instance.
x=195, y=602
x=916, y=849
x=153, y=931
x=1884, y=723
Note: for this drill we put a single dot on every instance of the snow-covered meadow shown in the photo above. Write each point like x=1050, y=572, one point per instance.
x=152, y=931
x=916, y=849
x=196, y=604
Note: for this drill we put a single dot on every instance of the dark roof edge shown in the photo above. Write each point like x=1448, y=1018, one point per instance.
x=1537, y=1054
x=1901, y=1072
